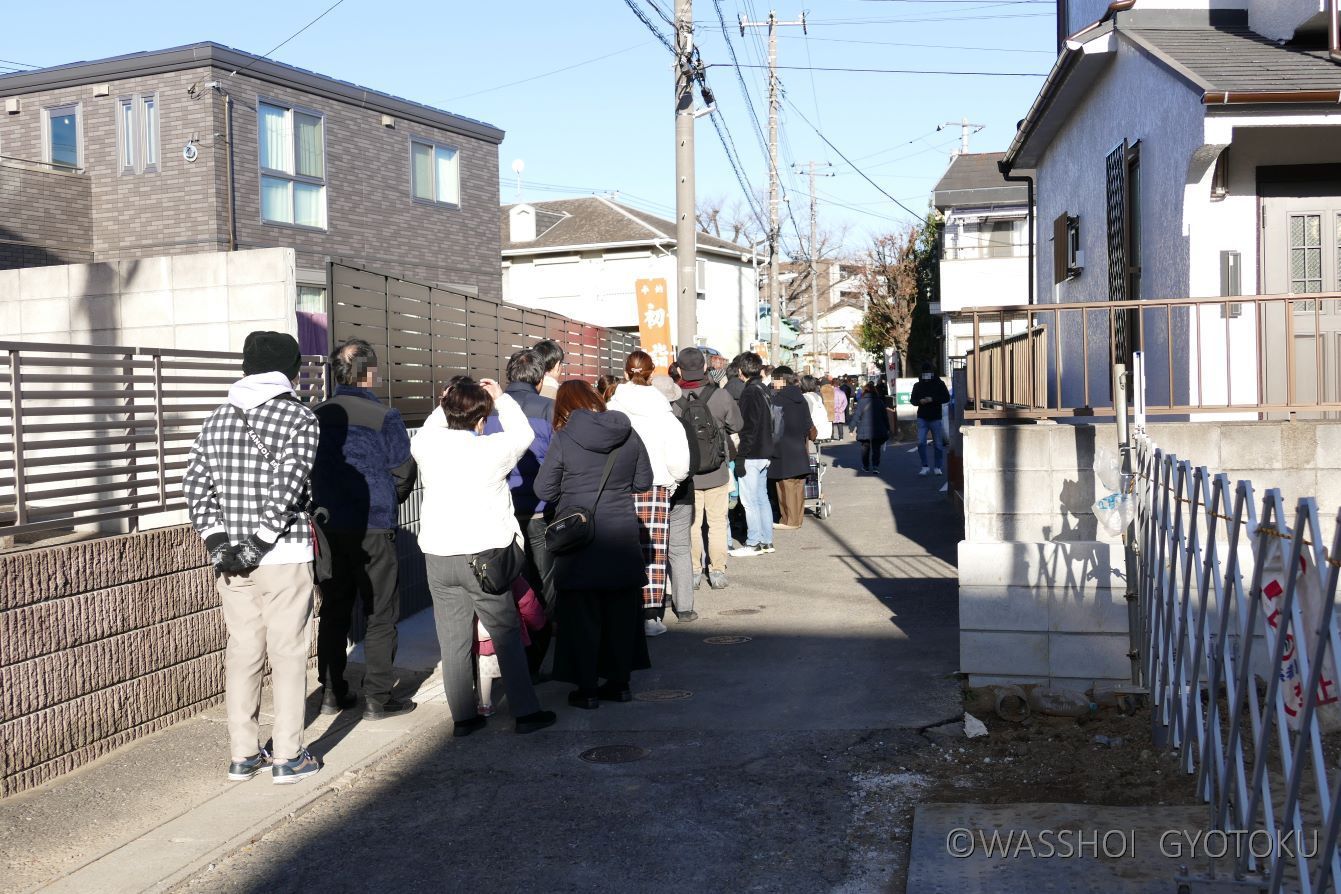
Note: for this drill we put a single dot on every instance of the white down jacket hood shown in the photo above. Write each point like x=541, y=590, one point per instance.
x=662, y=434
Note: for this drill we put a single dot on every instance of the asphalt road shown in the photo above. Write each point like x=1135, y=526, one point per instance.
x=779, y=772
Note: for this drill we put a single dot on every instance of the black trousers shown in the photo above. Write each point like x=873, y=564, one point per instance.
x=600, y=635
x=540, y=575
x=870, y=453
x=365, y=567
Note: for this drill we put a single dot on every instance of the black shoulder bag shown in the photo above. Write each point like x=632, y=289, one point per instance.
x=322, y=569
x=575, y=527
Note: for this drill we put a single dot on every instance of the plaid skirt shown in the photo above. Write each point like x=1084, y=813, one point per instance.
x=653, y=508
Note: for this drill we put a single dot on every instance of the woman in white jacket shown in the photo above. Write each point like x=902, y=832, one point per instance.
x=819, y=414
x=467, y=509
x=668, y=449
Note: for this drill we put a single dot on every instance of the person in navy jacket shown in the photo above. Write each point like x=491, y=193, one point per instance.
x=363, y=472
x=526, y=375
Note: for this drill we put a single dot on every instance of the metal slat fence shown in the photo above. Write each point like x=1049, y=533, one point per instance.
x=92, y=434
x=1241, y=650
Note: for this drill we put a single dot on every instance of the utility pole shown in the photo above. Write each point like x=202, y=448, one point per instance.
x=774, y=230
x=964, y=132
x=686, y=259
x=814, y=264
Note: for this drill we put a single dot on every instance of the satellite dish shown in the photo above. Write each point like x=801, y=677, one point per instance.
x=518, y=166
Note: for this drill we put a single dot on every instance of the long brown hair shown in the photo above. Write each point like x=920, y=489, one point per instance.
x=606, y=384
x=639, y=367
x=575, y=394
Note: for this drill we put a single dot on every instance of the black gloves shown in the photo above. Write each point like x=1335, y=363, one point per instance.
x=247, y=554
x=238, y=559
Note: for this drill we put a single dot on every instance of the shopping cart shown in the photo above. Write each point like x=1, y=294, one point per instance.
x=814, y=490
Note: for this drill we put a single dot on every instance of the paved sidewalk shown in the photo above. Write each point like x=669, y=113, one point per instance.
x=769, y=764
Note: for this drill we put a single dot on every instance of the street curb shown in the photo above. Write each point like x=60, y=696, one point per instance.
x=426, y=717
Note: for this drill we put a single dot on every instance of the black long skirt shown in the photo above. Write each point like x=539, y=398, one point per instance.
x=599, y=634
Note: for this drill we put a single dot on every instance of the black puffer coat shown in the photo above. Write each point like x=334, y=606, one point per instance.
x=570, y=477
x=791, y=459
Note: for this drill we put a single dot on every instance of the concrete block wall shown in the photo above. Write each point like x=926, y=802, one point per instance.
x=206, y=301
x=102, y=642
x=1041, y=581
x=45, y=217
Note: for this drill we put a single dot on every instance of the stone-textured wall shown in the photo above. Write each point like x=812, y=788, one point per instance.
x=45, y=217
x=1042, y=583
x=102, y=642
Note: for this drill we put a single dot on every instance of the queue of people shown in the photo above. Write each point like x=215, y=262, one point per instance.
x=555, y=513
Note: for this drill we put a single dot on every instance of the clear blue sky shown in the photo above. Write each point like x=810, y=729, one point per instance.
x=608, y=124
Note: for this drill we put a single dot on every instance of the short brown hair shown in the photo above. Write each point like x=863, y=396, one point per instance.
x=575, y=394
x=465, y=404
x=639, y=367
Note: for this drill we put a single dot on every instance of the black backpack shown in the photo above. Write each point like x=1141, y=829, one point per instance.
x=707, y=447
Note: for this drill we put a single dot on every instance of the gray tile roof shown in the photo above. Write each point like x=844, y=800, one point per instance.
x=561, y=223
x=974, y=180
x=1236, y=60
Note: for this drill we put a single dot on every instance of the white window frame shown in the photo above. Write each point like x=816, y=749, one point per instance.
x=292, y=178
x=132, y=150
x=58, y=110
x=435, y=145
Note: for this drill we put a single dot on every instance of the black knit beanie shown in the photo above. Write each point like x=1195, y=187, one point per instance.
x=265, y=352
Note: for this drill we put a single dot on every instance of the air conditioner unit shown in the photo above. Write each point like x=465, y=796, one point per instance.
x=12, y=105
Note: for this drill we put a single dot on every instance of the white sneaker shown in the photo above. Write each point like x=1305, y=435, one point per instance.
x=925, y=472
x=742, y=552
x=654, y=627
x=939, y=472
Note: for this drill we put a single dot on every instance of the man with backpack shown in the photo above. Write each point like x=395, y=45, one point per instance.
x=711, y=416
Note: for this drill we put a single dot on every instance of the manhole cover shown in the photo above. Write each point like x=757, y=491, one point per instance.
x=614, y=754
x=663, y=695
x=740, y=611
x=727, y=640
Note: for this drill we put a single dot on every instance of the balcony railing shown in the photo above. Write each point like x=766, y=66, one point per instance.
x=981, y=252
x=1249, y=357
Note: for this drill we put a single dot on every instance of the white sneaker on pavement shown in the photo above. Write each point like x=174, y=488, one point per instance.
x=939, y=472
x=654, y=627
x=925, y=472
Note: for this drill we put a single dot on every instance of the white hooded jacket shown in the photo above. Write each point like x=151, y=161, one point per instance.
x=662, y=434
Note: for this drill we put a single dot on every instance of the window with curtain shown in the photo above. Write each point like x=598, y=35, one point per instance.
x=292, y=150
x=149, y=125
x=434, y=174
x=127, y=128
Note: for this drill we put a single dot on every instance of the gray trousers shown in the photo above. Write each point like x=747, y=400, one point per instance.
x=680, y=553
x=457, y=600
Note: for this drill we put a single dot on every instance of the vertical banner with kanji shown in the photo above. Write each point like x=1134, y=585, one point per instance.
x=654, y=320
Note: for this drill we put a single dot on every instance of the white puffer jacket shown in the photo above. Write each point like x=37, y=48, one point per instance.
x=662, y=434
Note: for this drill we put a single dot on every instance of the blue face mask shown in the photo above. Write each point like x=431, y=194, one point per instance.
x=927, y=376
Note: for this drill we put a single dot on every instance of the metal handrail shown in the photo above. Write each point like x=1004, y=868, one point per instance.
x=1203, y=355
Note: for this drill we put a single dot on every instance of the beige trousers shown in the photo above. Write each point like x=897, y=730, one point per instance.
x=792, y=501
x=712, y=504
x=268, y=614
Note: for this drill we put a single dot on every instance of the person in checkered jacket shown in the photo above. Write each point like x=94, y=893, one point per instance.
x=247, y=487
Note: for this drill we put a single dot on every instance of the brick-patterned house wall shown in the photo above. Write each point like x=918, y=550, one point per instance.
x=184, y=207
x=371, y=218
x=173, y=211
x=44, y=217
x=102, y=642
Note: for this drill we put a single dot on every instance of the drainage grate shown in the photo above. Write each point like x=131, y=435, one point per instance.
x=740, y=611
x=727, y=640
x=614, y=754
x=663, y=695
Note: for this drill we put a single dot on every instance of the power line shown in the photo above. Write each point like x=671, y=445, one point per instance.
x=841, y=155
x=927, y=46
x=740, y=78
x=905, y=21
x=650, y=25
x=919, y=71
x=547, y=73
x=277, y=46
